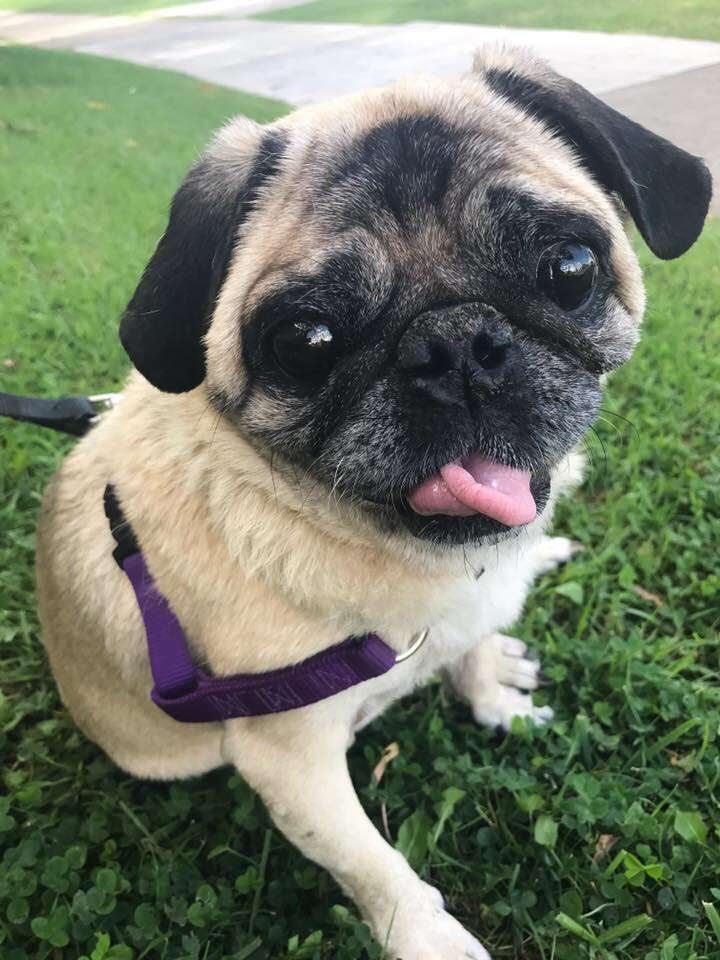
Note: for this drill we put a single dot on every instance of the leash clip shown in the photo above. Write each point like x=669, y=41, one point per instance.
x=102, y=402
x=417, y=641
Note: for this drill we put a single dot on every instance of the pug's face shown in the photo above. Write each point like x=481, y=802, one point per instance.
x=411, y=296
x=454, y=321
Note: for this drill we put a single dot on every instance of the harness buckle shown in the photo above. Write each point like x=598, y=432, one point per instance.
x=102, y=402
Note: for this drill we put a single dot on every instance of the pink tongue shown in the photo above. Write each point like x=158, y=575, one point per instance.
x=477, y=485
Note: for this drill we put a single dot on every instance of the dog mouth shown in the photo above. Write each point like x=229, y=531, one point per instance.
x=477, y=486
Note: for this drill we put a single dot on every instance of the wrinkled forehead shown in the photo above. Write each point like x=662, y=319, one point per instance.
x=417, y=199
x=413, y=179
x=411, y=148
x=422, y=181
x=405, y=171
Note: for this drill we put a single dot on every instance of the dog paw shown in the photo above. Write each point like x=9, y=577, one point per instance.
x=551, y=552
x=431, y=935
x=495, y=679
x=411, y=923
x=515, y=665
x=505, y=695
x=498, y=707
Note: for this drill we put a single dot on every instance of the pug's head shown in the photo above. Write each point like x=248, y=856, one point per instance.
x=412, y=295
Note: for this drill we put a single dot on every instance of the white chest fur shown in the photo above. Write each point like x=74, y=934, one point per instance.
x=469, y=610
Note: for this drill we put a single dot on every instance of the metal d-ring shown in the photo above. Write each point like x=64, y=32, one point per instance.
x=417, y=641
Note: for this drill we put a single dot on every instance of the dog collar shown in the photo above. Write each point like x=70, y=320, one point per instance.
x=188, y=694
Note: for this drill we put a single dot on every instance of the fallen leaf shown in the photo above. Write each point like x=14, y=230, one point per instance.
x=604, y=845
x=7, y=362
x=388, y=755
x=96, y=105
x=646, y=595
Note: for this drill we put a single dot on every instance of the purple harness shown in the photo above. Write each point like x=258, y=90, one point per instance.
x=187, y=693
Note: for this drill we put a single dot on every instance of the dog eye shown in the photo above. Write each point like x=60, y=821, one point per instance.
x=303, y=351
x=566, y=274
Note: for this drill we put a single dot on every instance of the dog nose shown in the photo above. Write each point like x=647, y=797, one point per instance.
x=446, y=366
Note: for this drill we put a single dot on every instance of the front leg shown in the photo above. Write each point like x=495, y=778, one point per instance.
x=495, y=677
x=296, y=762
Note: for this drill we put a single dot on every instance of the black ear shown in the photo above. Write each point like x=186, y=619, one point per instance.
x=666, y=190
x=163, y=325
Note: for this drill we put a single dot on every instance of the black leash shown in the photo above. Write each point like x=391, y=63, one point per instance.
x=73, y=415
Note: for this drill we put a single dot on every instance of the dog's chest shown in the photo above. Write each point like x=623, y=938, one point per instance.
x=459, y=610
x=468, y=611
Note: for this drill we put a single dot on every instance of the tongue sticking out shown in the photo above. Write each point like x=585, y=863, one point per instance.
x=477, y=485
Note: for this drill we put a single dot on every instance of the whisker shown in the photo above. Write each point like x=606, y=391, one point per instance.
x=619, y=416
x=604, y=451
x=610, y=424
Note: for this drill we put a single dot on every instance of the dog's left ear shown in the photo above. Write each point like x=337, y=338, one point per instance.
x=169, y=313
x=666, y=190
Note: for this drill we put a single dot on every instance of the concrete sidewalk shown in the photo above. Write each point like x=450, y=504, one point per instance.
x=668, y=84
x=307, y=62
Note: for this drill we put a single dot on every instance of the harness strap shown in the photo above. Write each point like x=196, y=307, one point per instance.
x=181, y=689
x=188, y=694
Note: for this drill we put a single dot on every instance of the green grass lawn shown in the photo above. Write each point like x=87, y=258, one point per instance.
x=597, y=838
x=97, y=7
x=679, y=18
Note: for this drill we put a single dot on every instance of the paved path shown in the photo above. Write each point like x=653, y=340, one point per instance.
x=670, y=85
x=306, y=62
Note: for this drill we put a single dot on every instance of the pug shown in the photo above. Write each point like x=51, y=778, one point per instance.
x=367, y=347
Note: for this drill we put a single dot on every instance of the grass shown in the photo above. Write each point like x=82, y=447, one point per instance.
x=96, y=7
x=594, y=840
x=677, y=18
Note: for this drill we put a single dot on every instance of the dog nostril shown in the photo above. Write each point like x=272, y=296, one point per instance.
x=427, y=358
x=490, y=353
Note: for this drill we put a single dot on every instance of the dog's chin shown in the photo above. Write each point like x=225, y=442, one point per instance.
x=451, y=531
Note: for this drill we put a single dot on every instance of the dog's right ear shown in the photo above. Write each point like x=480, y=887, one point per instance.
x=169, y=313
